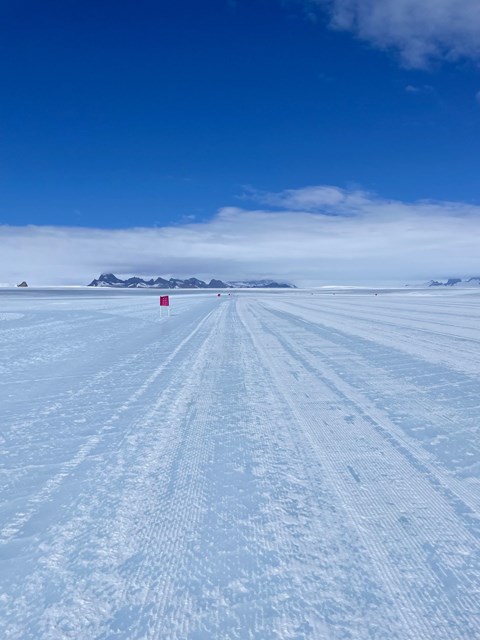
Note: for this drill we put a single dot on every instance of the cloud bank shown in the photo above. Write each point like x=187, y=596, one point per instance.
x=420, y=30
x=311, y=236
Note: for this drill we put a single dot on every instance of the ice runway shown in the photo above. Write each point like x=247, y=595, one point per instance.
x=257, y=466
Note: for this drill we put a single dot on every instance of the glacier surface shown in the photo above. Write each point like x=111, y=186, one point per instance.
x=256, y=466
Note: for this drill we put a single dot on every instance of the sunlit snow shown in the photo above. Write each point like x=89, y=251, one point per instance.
x=260, y=465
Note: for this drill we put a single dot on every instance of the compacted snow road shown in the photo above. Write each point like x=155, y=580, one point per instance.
x=265, y=465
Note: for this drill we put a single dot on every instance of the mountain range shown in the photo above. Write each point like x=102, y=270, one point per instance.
x=110, y=280
x=456, y=282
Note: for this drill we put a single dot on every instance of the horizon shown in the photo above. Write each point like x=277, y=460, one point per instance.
x=438, y=283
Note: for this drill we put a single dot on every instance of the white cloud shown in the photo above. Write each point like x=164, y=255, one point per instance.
x=312, y=236
x=324, y=198
x=420, y=30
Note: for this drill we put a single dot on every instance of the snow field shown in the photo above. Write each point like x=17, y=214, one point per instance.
x=267, y=465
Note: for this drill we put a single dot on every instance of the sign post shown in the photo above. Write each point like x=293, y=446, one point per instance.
x=164, y=302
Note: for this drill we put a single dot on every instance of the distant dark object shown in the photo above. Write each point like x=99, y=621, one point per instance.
x=110, y=280
x=218, y=295
x=22, y=284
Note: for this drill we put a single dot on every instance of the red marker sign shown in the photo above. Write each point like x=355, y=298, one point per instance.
x=164, y=301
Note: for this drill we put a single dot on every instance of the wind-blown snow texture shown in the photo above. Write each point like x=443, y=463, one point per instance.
x=269, y=466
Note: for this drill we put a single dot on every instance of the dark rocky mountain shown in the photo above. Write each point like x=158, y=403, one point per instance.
x=452, y=282
x=110, y=280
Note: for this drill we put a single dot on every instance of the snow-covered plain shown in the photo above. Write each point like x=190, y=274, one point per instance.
x=262, y=465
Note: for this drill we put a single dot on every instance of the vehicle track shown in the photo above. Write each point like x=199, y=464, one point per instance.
x=410, y=531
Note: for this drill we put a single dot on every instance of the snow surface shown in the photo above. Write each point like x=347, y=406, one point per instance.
x=280, y=465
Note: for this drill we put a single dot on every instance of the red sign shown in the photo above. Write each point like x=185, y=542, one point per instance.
x=164, y=301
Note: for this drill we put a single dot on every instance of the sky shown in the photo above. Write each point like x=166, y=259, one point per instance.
x=317, y=141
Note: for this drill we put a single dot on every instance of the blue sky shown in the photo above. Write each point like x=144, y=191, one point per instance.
x=161, y=115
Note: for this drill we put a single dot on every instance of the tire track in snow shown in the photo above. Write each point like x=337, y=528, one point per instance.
x=267, y=564
x=342, y=354
x=11, y=529
x=179, y=500
x=366, y=597
x=461, y=353
x=143, y=515
x=338, y=446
